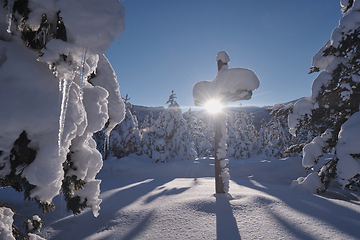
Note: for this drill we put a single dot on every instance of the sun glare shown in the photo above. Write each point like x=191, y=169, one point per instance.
x=213, y=106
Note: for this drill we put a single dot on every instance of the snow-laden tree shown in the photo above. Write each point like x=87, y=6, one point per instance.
x=192, y=135
x=157, y=139
x=278, y=137
x=232, y=135
x=147, y=136
x=303, y=135
x=334, y=102
x=171, y=139
x=241, y=135
x=57, y=89
x=205, y=148
x=263, y=141
x=167, y=137
x=274, y=137
x=125, y=137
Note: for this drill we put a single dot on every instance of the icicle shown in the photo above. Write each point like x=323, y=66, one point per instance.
x=107, y=141
x=82, y=68
x=60, y=84
x=64, y=103
x=106, y=144
x=10, y=5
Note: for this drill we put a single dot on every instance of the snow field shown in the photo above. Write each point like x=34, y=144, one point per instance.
x=176, y=200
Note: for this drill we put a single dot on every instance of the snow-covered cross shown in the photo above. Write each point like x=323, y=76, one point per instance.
x=229, y=85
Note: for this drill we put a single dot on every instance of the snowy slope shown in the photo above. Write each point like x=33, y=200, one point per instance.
x=176, y=200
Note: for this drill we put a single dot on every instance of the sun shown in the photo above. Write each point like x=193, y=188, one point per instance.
x=213, y=106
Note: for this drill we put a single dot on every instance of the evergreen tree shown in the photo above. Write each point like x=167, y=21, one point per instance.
x=192, y=135
x=206, y=136
x=232, y=135
x=279, y=136
x=246, y=135
x=335, y=100
x=263, y=143
x=237, y=141
x=274, y=136
x=159, y=151
x=43, y=154
x=147, y=135
x=125, y=138
x=168, y=134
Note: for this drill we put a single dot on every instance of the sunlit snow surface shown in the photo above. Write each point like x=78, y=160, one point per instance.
x=176, y=200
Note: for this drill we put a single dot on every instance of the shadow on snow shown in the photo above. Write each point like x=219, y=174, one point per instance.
x=319, y=207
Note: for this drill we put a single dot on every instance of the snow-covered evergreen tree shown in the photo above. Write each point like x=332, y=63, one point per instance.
x=205, y=148
x=263, y=141
x=192, y=136
x=274, y=137
x=232, y=134
x=246, y=142
x=158, y=137
x=125, y=137
x=57, y=89
x=334, y=102
x=279, y=136
x=166, y=137
x=147, y=135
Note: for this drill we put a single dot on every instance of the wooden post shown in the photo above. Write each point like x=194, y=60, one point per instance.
x=221, y=64
x=219, y=185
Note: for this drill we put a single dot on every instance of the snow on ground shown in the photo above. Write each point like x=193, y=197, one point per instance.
x=176, y=200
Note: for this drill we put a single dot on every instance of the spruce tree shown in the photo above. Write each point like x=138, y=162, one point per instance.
x=335, y=100
x=147, y=135
x=206, y=136
x=168, y=134
x=279, y=136
x=246, y=134
x=232, y=135
x=49, y=148
x=125, y=137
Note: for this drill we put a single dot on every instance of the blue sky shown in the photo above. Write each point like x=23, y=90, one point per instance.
x=171, y=44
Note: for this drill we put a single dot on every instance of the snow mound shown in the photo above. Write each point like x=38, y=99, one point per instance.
x=309, y=184
x=347, y=149
x=6, y=221
x=223, y=56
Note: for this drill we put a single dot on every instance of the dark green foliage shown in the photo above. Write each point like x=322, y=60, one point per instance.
x=36, y=224
x=21, y=6
x=73, y=202
x=60, y=29
x=354, y=183
x=337, y=100
x=49, y=28
x=38, y=39
x=71, y=184
x=307, y=129
x=328, y=173
x=20, y=157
